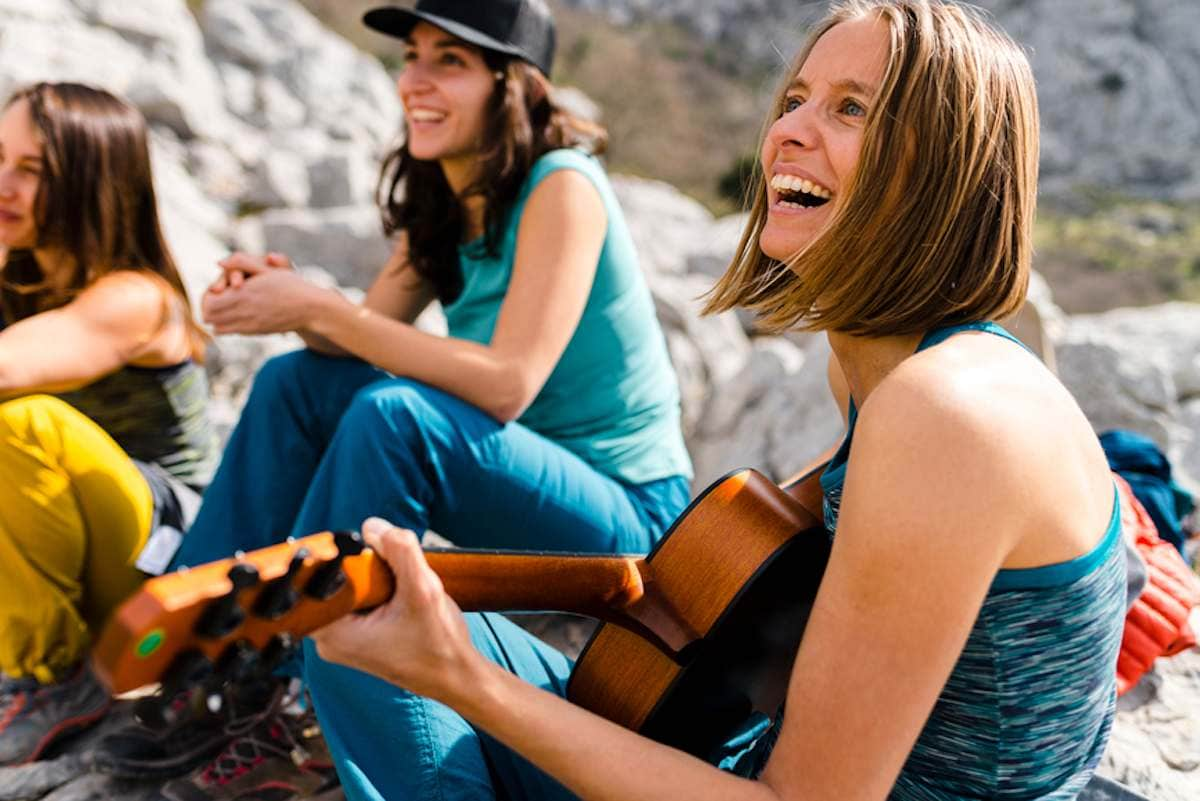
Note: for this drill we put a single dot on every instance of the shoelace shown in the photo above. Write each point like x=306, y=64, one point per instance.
x=247, y=751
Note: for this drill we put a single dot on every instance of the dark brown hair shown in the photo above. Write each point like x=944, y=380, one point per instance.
x=935, y=227
x=523, y=123
x=95, y=200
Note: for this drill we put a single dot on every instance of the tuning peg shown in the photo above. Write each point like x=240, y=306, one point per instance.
x=277, y=651
x=224, y=614
x=278, y=597
x=236, y=664
x=163, y=709
x=328, y=578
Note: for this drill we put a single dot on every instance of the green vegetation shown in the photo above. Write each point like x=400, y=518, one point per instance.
x=734, y=183
x=1111, y=250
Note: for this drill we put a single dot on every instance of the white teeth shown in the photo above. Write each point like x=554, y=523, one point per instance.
x=425, y=115
x=792, y=183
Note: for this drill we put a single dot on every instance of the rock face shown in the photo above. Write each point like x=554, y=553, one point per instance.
x=267, y=131
x=1117, y=79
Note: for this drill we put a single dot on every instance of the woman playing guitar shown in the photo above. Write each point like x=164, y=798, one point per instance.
x=963, y=639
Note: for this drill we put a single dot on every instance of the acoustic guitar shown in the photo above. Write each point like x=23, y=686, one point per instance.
x=693, y=637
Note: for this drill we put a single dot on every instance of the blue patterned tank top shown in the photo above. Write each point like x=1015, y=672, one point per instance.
x=1027, y=709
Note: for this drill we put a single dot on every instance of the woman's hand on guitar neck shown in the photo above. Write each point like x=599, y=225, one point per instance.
x=418, y=640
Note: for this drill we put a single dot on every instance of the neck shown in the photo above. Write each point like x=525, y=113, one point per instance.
x=460, y=174
x=866, y=361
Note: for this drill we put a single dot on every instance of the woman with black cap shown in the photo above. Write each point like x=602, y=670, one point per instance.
x=548, y=419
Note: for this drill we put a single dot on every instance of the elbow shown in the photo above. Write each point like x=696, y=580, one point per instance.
x=510, y=395
x=8, y=381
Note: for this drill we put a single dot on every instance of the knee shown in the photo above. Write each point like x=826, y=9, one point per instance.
x=279, y=373
x=16, y=415
x=401, y=407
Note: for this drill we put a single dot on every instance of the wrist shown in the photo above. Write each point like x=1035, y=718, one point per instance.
x=474, y=686
x=320, y=308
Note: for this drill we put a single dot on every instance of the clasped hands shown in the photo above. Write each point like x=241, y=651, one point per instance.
x=258, y=295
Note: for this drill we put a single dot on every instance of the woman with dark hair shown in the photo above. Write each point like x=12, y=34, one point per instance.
x=963, y=640
x=548, y=419
x=104, y=437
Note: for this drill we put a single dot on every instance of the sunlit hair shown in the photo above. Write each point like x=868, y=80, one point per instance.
x=935, y=225
x=523, y=123
x=95, y=201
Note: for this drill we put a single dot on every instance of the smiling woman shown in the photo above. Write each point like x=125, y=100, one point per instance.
x=963, y=641
x=548, y=419
x=104, y=436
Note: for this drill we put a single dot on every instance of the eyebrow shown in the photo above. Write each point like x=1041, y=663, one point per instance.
x=36, y=158
x=443, y=44
x=847, y=85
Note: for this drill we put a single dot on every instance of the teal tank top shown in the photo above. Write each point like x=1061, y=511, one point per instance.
x=612, y=399
x=1027, y=709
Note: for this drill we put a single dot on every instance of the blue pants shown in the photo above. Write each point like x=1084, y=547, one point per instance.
x=390, y=745
x=324, y=443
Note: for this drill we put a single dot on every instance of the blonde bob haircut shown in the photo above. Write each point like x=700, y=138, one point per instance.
x=935, y=227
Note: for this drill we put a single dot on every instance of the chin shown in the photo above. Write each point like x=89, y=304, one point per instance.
x=780, y=247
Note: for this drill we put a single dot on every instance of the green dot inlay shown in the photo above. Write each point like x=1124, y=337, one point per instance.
x=150, y=643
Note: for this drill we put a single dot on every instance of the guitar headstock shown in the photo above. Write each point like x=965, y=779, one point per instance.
x=230, y=619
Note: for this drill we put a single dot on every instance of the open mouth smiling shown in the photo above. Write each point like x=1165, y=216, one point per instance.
x=796, y=192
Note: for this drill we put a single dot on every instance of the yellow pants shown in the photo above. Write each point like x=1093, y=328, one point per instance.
x=74, y=514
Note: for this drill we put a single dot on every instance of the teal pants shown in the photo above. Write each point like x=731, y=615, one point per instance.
x=324, y=443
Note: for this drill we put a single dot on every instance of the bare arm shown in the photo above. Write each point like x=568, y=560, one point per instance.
x=901, y=592
x=558, y=246
x=125, y=317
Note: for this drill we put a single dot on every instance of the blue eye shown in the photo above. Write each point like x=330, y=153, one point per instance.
x=790, y=104
x=853, y=108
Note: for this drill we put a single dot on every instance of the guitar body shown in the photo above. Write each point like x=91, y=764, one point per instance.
x=695, y=636
x=742, y=566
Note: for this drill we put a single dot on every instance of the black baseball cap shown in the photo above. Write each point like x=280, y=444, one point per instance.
x=521, y=28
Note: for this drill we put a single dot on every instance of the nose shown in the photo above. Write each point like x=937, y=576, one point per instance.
x=795, y=129
x=413, y=78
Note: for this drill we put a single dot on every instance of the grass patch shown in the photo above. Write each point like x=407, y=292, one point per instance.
x=1105, y=249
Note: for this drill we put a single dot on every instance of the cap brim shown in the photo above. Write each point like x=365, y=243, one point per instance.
x=399, y=22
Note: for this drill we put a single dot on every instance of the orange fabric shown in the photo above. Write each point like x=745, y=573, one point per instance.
x=1157, y=623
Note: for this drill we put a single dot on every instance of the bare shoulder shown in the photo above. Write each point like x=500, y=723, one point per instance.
x=566, y=192
x=978, y=427
x=130, y=304
x=128, y=292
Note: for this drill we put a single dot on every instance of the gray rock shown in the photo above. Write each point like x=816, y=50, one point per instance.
x=279, y=178
x=343, y=175
x=37, y=779
x=1155, y=744
x=341, y=90
x=667, y=226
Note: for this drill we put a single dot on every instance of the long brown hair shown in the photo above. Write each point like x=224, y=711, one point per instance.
x=935, y=227
x=95, y=200
x=523, y=123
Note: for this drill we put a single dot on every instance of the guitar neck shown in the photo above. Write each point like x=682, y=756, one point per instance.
x=602, y=587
